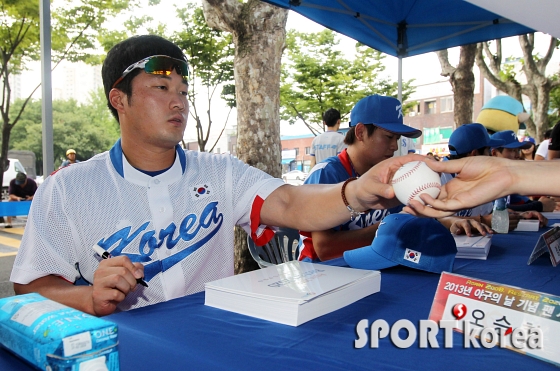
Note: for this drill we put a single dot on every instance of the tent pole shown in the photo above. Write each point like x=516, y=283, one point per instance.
x=46, y=88
x=399, y=96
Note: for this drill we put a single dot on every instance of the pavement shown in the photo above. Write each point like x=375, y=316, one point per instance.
x=9, y=244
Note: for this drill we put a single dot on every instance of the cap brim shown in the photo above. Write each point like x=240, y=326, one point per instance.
x=367, y=258
x=401, y=129
x=496, y=143
x=521, y=145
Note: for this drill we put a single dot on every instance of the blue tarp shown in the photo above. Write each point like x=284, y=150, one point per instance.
x=404, y=28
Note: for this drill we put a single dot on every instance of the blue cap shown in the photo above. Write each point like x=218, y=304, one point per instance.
x=529, y=139
x=383, y=112
x=510, y=140
x=469, y=137
x=420, y=243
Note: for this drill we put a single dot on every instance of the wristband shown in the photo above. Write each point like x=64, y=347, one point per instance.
x=353, y=213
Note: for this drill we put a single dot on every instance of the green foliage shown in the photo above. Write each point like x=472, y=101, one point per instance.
x=316, y=76
x=508, y=71
x=210, y=53
x=87, y=128
x=75, y=27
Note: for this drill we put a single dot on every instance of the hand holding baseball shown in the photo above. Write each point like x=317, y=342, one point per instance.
x=413, y=179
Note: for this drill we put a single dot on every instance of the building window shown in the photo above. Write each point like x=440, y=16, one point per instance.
x=307, y=150
x=414, y=110
x=430, y=107
x=446, y=104
x=297, y=151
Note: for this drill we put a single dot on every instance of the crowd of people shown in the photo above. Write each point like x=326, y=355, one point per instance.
x=166, y=215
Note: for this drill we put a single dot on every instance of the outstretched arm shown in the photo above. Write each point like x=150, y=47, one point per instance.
x=483, y=179
x=318, y=207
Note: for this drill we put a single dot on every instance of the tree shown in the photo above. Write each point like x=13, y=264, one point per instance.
x=210, y=54
x=537, y=85
x=259, y=32
x=461, y=79
x=74, y=28
x=554, y=115
x=88, y=128
x=316, y=77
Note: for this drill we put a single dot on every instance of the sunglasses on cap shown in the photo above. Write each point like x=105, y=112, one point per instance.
x=158, y=65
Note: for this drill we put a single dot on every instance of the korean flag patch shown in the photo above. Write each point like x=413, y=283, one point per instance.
x=200, y=191
x=412, y=256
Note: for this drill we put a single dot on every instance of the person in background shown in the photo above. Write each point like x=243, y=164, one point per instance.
x=70, y=158
x=21, y=188
x=511, y=150
x=528, y=154
x=331, y=142
x=554, y=144
x=472, y=140
x=542, y=149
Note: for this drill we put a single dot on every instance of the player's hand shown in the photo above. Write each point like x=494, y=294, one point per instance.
x=469, y=227
x=373, y=189
x=514, y=219
x=543, y=221
x=112, y=281
x=479, y=180
x=548, y=204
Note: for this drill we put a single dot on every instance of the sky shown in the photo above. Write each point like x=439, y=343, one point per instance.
x=423, y=68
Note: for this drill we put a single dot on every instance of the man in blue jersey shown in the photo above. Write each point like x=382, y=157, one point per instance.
x=376, y=125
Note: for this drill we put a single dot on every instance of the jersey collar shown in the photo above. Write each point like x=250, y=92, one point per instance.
x=122, y=166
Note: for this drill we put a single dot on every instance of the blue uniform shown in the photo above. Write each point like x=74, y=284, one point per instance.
x=332, y=171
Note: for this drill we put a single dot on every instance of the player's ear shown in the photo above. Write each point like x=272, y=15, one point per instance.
x=359, y=131
x=117, y=99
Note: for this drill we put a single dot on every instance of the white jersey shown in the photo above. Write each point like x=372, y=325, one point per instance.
x=326, y=145
x=542, y=149
x=179, y=224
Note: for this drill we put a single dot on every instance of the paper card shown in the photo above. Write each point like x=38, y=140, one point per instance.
x=528, y=225
x=548, y=241
x=479, y=305
x=466, y=241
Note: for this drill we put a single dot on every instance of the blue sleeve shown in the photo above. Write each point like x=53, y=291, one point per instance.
x=326, y=173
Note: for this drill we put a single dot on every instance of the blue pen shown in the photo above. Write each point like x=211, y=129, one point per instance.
x=104, y=254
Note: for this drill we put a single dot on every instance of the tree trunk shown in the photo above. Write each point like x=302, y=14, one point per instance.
x=259, y=32
x=538, y=86
x=462, y=83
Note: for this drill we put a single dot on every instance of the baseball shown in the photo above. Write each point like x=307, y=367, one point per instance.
x=413, y=179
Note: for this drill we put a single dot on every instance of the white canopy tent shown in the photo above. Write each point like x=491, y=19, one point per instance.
x=542, y=15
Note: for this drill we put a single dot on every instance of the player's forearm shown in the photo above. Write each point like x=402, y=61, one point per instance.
x=59, y=290
x=332, y=244
x=541, y=178
x=313, y=207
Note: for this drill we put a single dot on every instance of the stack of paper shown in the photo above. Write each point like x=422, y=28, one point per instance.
x=292, y=293
x=528, y=225
x=476, y=247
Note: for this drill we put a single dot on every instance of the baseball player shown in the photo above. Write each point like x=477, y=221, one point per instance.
x=376, y=126
x=157, y=213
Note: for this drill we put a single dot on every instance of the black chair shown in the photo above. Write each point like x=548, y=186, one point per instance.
x=281, y=248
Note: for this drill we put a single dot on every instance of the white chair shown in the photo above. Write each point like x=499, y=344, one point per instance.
x=281, y=248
